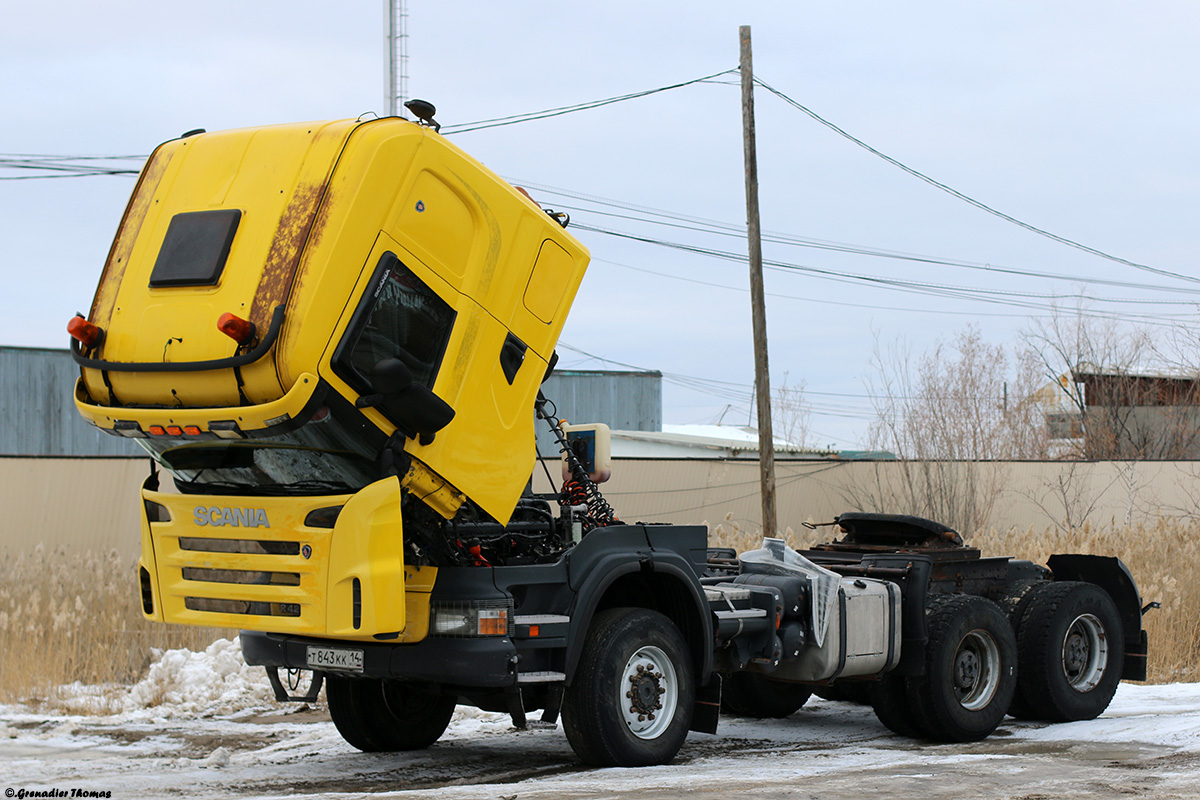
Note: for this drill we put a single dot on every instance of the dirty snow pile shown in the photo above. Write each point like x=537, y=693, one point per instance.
x=180, y=683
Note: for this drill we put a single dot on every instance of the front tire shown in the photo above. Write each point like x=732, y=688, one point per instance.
x=1071, y=650
x=970, y=670
x=383, y=716
x=630, y=702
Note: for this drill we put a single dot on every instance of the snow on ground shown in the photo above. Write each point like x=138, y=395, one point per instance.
x=204, y=725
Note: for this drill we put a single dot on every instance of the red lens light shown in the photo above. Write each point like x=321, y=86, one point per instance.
x=236, y=328
x=191, y=430
x=175, y=430
x=158, y=430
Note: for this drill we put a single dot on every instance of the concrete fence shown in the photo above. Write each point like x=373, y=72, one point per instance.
x=93, y=503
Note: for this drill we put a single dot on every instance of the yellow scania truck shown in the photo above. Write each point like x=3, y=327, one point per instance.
x=332, y=336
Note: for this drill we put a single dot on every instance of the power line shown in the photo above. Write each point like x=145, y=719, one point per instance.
x=514, y=119
x=700, y=224
x=62, y=166
x=970, y=200
x=1001, y=297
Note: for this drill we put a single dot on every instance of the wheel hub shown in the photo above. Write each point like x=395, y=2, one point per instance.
x=1076, y=654
x=645, y=692
x=649, y=692
x=1085, y=652
x=976, y=670
x=966, y=670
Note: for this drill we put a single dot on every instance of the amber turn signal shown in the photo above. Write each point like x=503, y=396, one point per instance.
x=236, y=328
x=84, y=332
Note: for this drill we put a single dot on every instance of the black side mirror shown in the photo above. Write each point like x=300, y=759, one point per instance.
x=413, y=407
x=391, y=376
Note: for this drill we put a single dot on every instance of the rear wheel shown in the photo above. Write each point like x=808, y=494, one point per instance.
x=377, y=715
x=889, y=700
x=1014, y=603
x=630, y=702
x=970, y=670
x=749, y=694
x=1071, y=650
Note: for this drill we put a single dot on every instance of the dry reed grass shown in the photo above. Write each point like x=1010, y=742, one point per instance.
x=1164, y=558
x=67, y=616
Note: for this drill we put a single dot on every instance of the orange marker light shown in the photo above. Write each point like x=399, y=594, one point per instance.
x=84, y=332
x=493, y=621
x=158, y=430
x=191, y=430
x=175, y=430
x=236, y=328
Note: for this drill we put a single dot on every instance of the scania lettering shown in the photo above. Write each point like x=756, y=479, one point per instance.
x=237, y=517
x=343, y=328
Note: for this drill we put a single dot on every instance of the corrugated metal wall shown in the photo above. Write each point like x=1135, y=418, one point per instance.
x=37, y=410
x=38, y=416
x=627, y=401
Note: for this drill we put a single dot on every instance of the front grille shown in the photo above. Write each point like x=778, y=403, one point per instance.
x=226, y=582
x=199, y=545
x=244, y=576
x=242, y=607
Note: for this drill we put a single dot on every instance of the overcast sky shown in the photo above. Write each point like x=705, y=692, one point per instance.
x=1079, y=118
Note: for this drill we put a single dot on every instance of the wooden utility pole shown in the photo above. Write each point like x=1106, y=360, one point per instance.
x=762, y=380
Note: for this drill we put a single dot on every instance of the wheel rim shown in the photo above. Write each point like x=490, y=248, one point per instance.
x=1085, y=653
x=976, y=670
x=649, y=692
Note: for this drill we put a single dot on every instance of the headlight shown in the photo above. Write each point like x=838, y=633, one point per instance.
x=480, y=618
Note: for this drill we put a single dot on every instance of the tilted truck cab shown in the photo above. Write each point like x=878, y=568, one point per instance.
x=344, y=245
x=332, y=337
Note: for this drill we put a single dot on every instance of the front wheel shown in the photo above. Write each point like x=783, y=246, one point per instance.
x=1071, y=651
x=970, y=670
x=380, y=716
x=630, y=702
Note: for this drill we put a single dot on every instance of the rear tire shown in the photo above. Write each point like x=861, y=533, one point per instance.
x=749, y=694
x=1071, y=650
x=381, y=716
x=970, y=670
x=1014, y=603
x=857, y=692
x=889, y=700
x=630, y=701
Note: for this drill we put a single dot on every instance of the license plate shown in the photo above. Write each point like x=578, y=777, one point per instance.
x=335, y=658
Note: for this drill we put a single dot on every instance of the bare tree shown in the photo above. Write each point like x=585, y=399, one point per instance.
x=791, y=413
x=946, y=415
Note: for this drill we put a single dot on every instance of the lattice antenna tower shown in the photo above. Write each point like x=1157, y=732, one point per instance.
x=395, y=23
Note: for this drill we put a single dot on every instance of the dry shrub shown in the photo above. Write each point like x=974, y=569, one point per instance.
x=1160, y=556
x=67, y=616
x=729, y=533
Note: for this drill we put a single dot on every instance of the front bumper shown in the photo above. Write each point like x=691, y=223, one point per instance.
x=480, y=663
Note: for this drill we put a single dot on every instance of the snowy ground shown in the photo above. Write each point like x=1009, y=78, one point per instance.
x=202, y=725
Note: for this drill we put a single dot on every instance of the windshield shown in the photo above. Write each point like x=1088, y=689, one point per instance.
x=325, y=455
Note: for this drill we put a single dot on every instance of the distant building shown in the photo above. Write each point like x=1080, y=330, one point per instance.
x=1144, y=416
x=624, y=401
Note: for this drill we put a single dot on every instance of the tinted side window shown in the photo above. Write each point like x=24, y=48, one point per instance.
x=399, y=317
